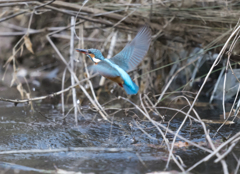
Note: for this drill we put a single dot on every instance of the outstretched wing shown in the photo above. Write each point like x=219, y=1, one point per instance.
x=104, y=69
x=134, y=52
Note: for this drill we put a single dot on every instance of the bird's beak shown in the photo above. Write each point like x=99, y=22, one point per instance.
x=84, y=51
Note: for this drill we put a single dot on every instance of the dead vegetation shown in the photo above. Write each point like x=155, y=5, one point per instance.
x=194, y=51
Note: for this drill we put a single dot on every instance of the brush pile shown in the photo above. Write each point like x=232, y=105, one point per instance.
x=194, y=52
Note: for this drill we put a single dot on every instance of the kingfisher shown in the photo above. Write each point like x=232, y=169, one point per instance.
x=128, y=59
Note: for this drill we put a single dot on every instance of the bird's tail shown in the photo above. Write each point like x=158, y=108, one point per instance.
x=133, y=89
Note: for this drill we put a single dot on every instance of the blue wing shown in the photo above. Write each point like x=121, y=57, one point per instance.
x=104, y=69
x=109, y=70
x=131, y=90
x=134, y=52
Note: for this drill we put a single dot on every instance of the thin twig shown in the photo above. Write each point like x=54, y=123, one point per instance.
x=72, y=50
x=16, y=101
x=75, y=77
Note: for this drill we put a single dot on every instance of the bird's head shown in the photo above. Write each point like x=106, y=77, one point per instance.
x=94, y=54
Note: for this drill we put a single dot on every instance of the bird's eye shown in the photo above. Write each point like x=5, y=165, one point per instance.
x=89, y=52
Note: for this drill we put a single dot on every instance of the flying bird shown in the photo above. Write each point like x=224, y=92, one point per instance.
x=128, y=59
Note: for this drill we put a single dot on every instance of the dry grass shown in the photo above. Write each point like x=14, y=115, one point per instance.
x=185, y=36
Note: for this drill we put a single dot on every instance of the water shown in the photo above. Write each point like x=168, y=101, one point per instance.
x=23, y=129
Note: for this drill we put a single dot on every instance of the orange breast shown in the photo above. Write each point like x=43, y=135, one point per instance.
x=117, y=79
